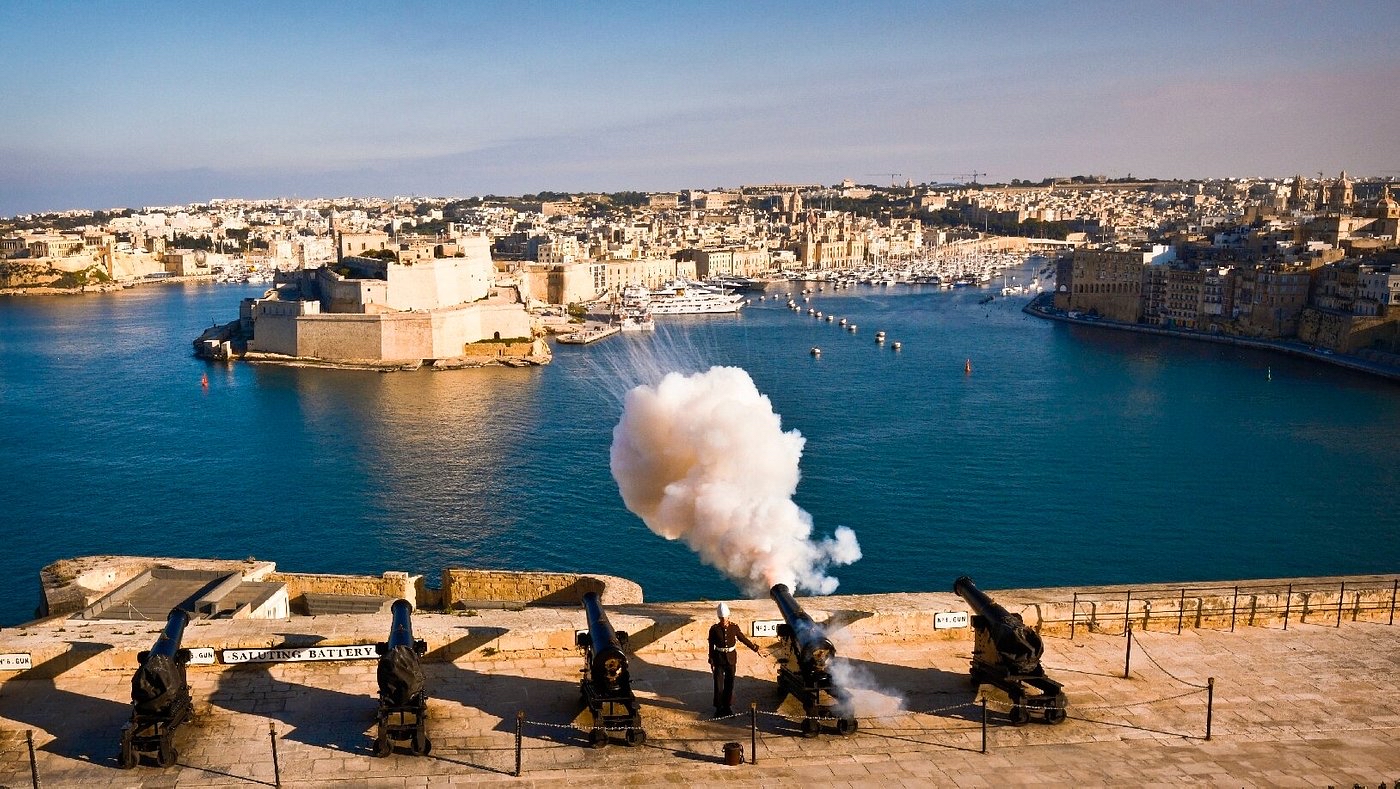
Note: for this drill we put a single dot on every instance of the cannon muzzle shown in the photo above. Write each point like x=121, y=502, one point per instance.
x=814, y=649
x=607, y=663
x=401, y=630
x=400, y=676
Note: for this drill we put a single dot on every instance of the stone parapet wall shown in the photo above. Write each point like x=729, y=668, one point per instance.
x=463, y=588
x=390, y=584
x=1261, y=603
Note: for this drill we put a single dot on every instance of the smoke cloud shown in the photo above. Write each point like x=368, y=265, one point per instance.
x=703, y=458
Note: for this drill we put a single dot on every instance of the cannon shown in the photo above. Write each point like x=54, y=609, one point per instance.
x=403, y=701
x=1006, y=654
x=606, y=688
x=160, y=697
x=806, y=657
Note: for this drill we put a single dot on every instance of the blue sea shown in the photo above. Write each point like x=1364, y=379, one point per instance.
x=1069, y=455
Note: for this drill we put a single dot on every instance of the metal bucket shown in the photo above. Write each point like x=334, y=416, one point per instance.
x=733, y=753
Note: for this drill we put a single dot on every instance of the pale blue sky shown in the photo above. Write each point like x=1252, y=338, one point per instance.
x=109, y=104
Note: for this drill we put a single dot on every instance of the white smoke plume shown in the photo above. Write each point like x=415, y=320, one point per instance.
x=869, y=698
x=702, y=458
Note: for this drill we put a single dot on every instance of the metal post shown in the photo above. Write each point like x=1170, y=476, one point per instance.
x=33, y=762
x=753, y=732
x=1128, y=612
x=1233, y=607
x=519, y=726
x=1128, y=654
x=276, y=768
x=1340, y=599
x=1287, y=606
x=1181, y=612
x=1394, y=587
x=984, y=724
x=1210, y=702
x=1073, y=612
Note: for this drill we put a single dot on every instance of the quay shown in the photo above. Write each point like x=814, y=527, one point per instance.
x=588, y=335
x=1280, y=682
x=1040, y=308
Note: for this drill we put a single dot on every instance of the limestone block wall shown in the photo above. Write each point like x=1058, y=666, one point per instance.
x=463, y=588
x=407, y=336
x=494, y=349
x=274, y=334
x=510, y=320
x=390, y=584
x=338, y=337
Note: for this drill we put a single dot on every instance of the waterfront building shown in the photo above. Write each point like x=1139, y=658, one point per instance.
x=1109, y=281
x=1269, y=299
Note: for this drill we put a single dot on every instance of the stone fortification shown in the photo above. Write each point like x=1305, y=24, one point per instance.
x=465, y=589
x=70, y=585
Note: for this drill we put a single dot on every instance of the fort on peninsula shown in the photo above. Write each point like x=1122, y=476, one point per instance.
x=386, y=304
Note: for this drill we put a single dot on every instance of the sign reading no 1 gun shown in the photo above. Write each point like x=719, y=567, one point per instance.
x=950, y=619
x=766, y=628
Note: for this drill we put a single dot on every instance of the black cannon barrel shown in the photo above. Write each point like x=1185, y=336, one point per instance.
x=600, y=630
x=608, y=663
x=811, y=639
x=401, y=630
x=1017, y=646
x=980, y=602
x=168, y=643
x=159, y=682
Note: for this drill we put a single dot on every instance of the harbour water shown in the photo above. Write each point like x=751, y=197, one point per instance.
x=1069, y=455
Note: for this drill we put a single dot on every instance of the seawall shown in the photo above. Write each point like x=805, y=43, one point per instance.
x=1036, y=307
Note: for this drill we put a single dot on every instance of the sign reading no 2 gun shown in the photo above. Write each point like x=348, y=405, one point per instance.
x=300, y=654
x=950, y=619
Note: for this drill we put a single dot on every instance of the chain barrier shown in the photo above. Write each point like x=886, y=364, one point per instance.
x=1159, y=666
x=995, y=704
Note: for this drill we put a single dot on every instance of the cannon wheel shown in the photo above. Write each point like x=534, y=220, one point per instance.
x=127, y=758
x=1019, y=715
x=635, y=734
x=846, y=725
x=1055, y=713
x=810, y=726
x=422, y=746
x=165, y=752
x=383, y=746
x=598, y=737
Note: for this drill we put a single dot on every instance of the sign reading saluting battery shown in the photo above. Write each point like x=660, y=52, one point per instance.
x=300, y=654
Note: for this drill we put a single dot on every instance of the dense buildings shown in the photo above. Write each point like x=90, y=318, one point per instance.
x=1281, y=258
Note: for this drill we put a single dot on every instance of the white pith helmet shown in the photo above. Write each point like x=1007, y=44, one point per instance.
x=723, y=610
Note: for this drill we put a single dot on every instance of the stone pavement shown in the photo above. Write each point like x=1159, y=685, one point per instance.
x=1315, y=705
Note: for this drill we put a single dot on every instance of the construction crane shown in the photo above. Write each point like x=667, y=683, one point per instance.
x=970, y=178
x=892, y=176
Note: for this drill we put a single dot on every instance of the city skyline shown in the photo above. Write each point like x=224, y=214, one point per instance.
x=168, y=104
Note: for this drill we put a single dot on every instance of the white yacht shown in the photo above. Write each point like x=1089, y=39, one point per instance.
x=682, y=297
x=634, y=310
